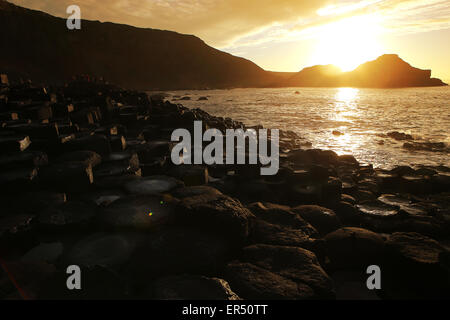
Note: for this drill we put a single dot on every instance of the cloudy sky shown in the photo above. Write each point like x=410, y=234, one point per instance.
x=287, y=35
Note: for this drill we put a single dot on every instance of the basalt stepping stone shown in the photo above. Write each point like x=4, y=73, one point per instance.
x=105, y=197
x=349, y=160
x=111, y=130
x=90, y=158
x=351, y=285
x=97, y=143
x=17, y=179
x=67, y=176
x=417, y=184
x=348, y=213
x=70, y=215
x=217, y=213
x=424, y=171
x=189, y=192
x=118, y=143
x=403, y=170
x=415, y=209
x=115, y=169
x=9, y=116
x=153, y=166
x=155, y=148
x=118, y=163
x=62, y=110
x=51, y=147
x=151, y=131
x=399, y=136
x=248, y=171
x=48, y=131
x=191, y=175
x=278, y=272
x=191, y=287
x=38, y=112
x=15, y=224
x=114, y=182
x=152, y=185
x=44, y=252
x=404, y=203
x=255, y=283
x=313, y=156
x=282, y=215
x=7, y=123
x=138, y=212
x=413, y=184
x=362, y=195
x=83, y=117
x=109, y=250
x=32, y=202
x=310, y=173
x=369, y=184
x=323, y=219
x=23, y=159
x=130, y=158
x=441, y=182
x=177, y=250
x=264, y=232
x=14, y=143
x=415, y=268
x=406, y=221
x=66, y=129
x=354, y=247
x=394, y=200
x=378, y=209
x=128, y=119
x=415, y=248
x=65, y=138
x=135, y=144
x=320, y=192
x=347, y=198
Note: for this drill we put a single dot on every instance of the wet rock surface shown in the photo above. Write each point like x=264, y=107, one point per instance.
x=354, y=247
x=87, y=179
x=323, y=219
x=278, y=272
x=414, y=256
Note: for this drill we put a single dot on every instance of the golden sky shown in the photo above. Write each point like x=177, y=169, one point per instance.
x=287, y=35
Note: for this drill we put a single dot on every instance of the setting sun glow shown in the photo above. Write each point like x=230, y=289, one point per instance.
x=348, y=43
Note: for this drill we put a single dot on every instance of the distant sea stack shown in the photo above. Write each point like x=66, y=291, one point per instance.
x=387, y=71
x=38, y=46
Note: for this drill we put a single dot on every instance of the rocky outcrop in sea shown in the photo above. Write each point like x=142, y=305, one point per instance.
x=87, y=180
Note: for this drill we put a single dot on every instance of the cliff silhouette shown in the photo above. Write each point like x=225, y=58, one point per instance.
x=387, y=71
x=39, y=47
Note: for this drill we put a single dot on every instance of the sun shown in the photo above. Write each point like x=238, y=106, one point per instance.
x=348, y=43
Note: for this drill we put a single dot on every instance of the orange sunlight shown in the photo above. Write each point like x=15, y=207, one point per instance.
x=348, y=43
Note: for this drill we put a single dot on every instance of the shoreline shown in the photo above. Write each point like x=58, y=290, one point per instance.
x=89, y=182
x=362, y=125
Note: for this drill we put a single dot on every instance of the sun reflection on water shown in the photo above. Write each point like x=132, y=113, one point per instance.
x=345, y=109
x=361, y=118
x=347, y=95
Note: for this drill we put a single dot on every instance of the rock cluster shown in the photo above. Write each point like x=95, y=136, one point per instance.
x=86, y=179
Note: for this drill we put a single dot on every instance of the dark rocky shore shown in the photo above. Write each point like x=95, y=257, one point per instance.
x=87, y=180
